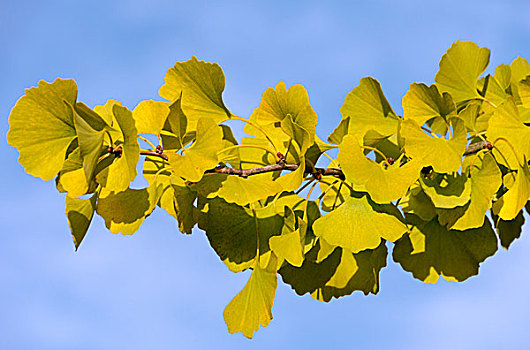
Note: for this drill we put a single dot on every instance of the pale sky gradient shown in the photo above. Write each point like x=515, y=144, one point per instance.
x=159, y=289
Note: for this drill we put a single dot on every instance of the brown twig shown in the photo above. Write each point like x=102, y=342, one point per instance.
x=281, y=165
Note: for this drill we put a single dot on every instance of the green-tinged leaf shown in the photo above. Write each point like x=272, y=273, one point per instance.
x=339, y=132
x=125, y=211
x=383, y=183
x=252, y=307
x=202, y=155
x=201, y=86
x=506, y=130
x=106, y=113
x=90, y=144
x=447, y=191
x=423, y=102
x=524, y=92
x=519, y=70
x=515, y=199
x=336, y=192
x=316, y=150
x=448, y=217
x=150, y=116
x=177, y=198
x=359, y=224
x=288, y=245
x=418, y=203
x=72, y=178
x=495, y=92
x=117, y=176
x=232, y=156
x=368, y=109
x=443, y=155
x=475, y=120
x=292, y=109
x=79, y=213
x=508, y=230
x=355, y=272
x=486, y=178
x=42, y=127
x=291, y=181
x=311, y=275
x=430, y=250
x=460, y=68
x=243, y=191
x=233, y=231
x=176, y=125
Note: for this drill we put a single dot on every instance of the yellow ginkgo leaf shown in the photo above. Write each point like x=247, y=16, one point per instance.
x=384, y=183
x=252, y=307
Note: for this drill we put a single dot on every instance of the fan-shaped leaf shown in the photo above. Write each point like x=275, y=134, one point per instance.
x=42, y=127
x=201, y=85
x=383, y=183
x=443, y=155
x=460, y=68
x=359, y=224
x=252, y=307
x=430, y=250
x=79, y=213
x=368, y=109
x=423, y=102
x=150, y=116
x=447, y=191
x=485, y=181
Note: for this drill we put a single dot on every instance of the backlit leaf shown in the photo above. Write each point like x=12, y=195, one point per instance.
x=125, y=211
x=288, y=245
x=202, y=155
x=150, y=116
x=447, y=191
x=252, y=307
x=505, y=124
x=359, y=224
x=515, y=199
x=430, y=250
x=79, y=213
x=460, y=68
x=368, y=109
x=201, y=85
x=423, y=102
x=443, y=155
x=42, y=127
x=384, y=184
x=485, y=181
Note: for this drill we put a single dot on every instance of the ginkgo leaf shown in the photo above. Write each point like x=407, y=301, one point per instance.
x=508, y=230
x=418, y=203
x=443, y=155
x=176, y=124
x=509, y=134
x=288, y=245
x=229, y=154
x=430, y=250
x=519, y=71
x=485, y=181
x=177, y=198
x=335, y=193
x=79, y=213
x=125, y=211
x=202, y=155
x=368, y=109
x=90, y=143
x=423, y=102
x=460, y=68
x=201, y=85
x=446, y=190
x=117, y=176
x=474, y=117
x=356, y=272
x=106, y=112
x=243, y=191
x=524, y=92
x=252, y=307
x=515, y=199
x=359, y=224
x=291, y=108
x=233, y=230
x=312, y=275
x=42, y=127
x=383, y=183
x=72, y=178
x=338, y=133
x=150, y=116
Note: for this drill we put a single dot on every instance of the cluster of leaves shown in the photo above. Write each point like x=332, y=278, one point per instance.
x=428, y=181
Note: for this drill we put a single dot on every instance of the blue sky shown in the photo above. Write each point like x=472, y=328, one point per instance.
x=159, y=289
